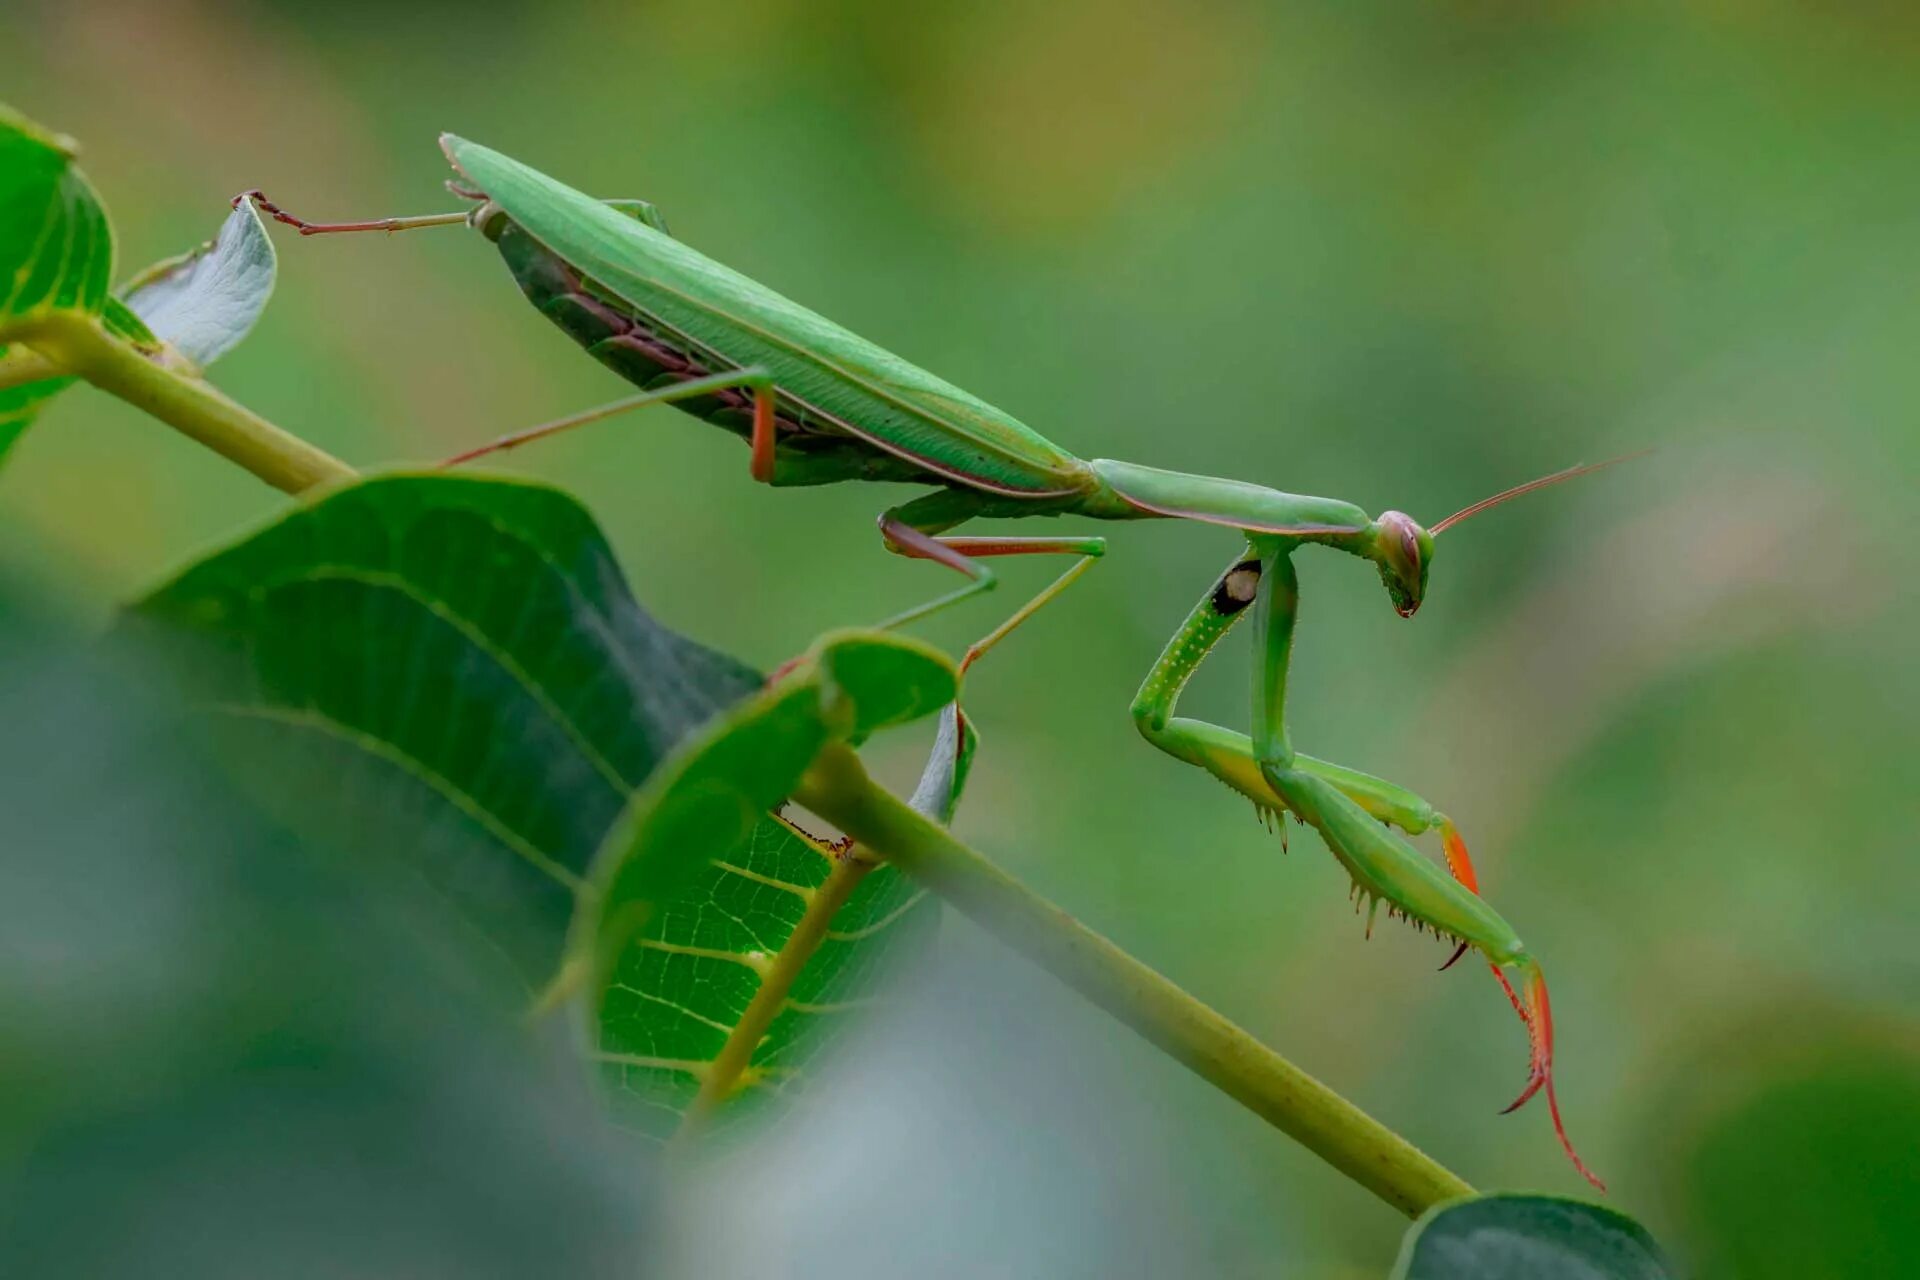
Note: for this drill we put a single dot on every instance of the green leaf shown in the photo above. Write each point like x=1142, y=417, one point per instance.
x=687, y=951
x=448, y=671
x=56, y=247
x=205, y=301
x=20, y=405
x=719, y=786
x=448, y=674
x=1528, y=1237
x=124, y=323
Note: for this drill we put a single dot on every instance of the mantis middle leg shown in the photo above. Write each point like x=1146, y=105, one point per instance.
x=913, y=531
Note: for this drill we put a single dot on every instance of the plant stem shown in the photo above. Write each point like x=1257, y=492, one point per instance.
x=20, y=366
x=190, y=405
x=1210, y=1045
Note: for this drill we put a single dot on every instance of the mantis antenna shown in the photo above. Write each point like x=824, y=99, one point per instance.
x=1541, y=483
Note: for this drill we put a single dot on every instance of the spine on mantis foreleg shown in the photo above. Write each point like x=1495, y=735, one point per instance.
x=1385, y=867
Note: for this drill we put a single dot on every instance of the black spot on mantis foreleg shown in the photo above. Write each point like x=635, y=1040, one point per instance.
x=1237, y=588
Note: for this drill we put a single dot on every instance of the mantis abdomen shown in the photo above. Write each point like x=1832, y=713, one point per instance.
x=650, y=356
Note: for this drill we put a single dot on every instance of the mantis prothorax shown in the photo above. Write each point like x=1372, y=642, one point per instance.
x=817, y=405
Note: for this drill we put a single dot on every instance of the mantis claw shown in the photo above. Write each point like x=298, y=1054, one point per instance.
x=1538, y=1015
x=1534, y=1082
x=1457, y=953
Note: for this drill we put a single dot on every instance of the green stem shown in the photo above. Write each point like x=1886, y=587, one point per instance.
x=1215, y=1049
x=20, y=366
x=190, y=405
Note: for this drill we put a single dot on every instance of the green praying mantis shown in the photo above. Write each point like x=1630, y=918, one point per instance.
x=817, y=404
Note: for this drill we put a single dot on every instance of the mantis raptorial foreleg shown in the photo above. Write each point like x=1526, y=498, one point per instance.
x=1229, y=755
x=1351, y=811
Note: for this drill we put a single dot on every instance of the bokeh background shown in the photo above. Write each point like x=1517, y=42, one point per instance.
x=1404, y=255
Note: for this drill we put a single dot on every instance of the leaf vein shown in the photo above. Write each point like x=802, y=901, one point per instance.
x=321, y=723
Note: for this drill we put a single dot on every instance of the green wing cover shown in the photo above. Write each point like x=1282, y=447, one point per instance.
x=869, y=392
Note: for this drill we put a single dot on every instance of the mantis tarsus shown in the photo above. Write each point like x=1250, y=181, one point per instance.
x=818, y=404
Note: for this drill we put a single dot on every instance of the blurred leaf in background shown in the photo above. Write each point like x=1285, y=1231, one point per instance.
x=1794, y=1155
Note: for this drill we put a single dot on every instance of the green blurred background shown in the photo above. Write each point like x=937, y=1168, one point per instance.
x=1401, y=255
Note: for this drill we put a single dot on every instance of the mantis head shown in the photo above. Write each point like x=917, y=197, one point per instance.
x=1404, y=551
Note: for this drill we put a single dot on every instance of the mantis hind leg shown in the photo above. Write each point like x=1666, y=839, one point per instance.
x=639, y=210
x=765, y=423
x=913, y=531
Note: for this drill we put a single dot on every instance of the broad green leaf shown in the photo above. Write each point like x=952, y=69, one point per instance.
x=448, y=674
x=718, y=786
x=56, y=248
x=882, y=679
x=710, y=796
x=448, y=671
x=684, y=943
x=1528, y=1237
x=205, y=301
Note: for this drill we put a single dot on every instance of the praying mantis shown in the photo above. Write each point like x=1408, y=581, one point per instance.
x=818, y=405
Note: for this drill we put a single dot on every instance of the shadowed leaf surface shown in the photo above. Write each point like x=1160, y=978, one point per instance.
x=462, y=680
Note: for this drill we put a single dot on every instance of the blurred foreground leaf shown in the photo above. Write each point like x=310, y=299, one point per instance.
x=449, y=674
x=1526, y=1237
x=228, y=1053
